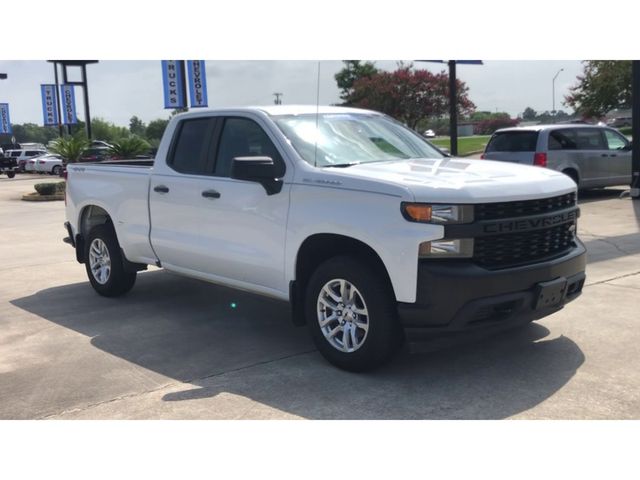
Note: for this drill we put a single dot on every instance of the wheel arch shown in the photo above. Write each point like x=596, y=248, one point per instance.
x=573, y=173
x=318, y=248
x=90, y=216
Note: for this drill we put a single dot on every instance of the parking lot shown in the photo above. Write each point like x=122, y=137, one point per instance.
x=175, y=348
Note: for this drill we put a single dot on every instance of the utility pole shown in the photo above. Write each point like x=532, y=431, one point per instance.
x=553, y=92
x=277, y=100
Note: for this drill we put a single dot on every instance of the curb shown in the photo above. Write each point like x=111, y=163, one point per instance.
x=36, y=197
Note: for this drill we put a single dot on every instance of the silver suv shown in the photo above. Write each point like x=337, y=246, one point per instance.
x=592, y=155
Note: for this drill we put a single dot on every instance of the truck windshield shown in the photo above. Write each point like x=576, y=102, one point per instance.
x=345, y=139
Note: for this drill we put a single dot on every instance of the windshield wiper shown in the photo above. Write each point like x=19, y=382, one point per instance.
x=342, y=165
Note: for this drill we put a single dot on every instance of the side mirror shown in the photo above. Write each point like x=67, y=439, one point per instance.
x=258, y=169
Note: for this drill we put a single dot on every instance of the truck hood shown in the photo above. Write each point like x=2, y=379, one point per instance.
x=457, y=180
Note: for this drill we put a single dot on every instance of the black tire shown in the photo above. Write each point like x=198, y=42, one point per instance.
x=56, y=170
x=11, y=174
x=118, y=281
x=384, y=335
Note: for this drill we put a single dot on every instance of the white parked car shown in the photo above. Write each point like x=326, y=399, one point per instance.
x=49, y=164
x=23, y=155
x=30, y=165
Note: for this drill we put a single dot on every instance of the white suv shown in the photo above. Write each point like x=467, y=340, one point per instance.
x=23, y=155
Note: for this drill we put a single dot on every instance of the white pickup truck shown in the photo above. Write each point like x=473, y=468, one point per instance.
x=370, y=232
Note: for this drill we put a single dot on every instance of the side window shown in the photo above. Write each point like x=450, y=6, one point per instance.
x=590, y=139
x=615, y=141
x=32, y=153
x=242, y=137
x=564, y=139
x=15, y=153
x=190, y=150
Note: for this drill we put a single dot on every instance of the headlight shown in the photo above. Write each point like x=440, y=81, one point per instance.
x=437, y=213
x=455, y=247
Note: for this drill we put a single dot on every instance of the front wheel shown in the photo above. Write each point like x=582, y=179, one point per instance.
x=11, y=174
x=104, y=265
x=351, y=312
x=56, y=170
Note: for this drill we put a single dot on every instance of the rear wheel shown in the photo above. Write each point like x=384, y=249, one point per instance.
x=351, y=312
x=56, y=170
x=11, y=174
x=104, y=265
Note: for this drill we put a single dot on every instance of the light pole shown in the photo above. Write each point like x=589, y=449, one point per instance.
x=553, y=91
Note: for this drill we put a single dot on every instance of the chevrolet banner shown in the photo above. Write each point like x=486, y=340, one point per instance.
x=68, y=104
x=197, y=83
x=5, y=121
x=49, y=105
x=173, y=82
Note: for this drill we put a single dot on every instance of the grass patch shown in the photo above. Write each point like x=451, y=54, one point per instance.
x=466, y=145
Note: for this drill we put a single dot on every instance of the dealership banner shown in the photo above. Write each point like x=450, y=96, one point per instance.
x=68, y=104
x=197, y=83
x=173, y=82
x=49, y=105
x=5, y=120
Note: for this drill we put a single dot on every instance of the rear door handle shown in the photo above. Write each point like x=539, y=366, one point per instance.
x=211, y=194
x=161, y=189
x=613, y=155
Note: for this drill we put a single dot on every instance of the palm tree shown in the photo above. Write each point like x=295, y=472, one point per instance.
x=69, y=148
x=129, y=147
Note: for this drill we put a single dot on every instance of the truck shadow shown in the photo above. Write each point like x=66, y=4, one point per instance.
x=202, y=334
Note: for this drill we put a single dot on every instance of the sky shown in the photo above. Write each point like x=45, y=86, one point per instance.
x=120, y=89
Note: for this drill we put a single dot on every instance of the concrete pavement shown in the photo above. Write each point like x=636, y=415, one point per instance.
x=175, y=347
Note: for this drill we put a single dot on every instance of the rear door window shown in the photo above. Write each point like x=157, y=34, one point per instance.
x=191, y=148
x=590, y=139
x=524, y=141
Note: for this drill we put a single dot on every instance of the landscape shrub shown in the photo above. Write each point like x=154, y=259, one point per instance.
x=47, y=188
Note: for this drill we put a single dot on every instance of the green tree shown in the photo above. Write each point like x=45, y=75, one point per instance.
x=69, y=148
x=353, y=70
x=106, y=131
x=156, y=128
x=603, y=86
x=129, y=147
x=529, y=114
x=137, y=126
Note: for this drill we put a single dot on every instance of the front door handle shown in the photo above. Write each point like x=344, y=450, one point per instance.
x=613, y=155
x=211, y=194
x=161, y=189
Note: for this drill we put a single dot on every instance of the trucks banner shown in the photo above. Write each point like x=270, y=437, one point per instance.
x=173, y=83
x=197, y=83
x=49, y=105
x=5, y=120
x=68, y=104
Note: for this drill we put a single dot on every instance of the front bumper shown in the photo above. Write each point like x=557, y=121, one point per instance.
x=454, y=296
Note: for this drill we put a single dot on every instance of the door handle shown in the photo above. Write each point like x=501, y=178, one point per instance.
x=161, y=189
x=604, y=155
x=211, y=194
x=613, y=155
